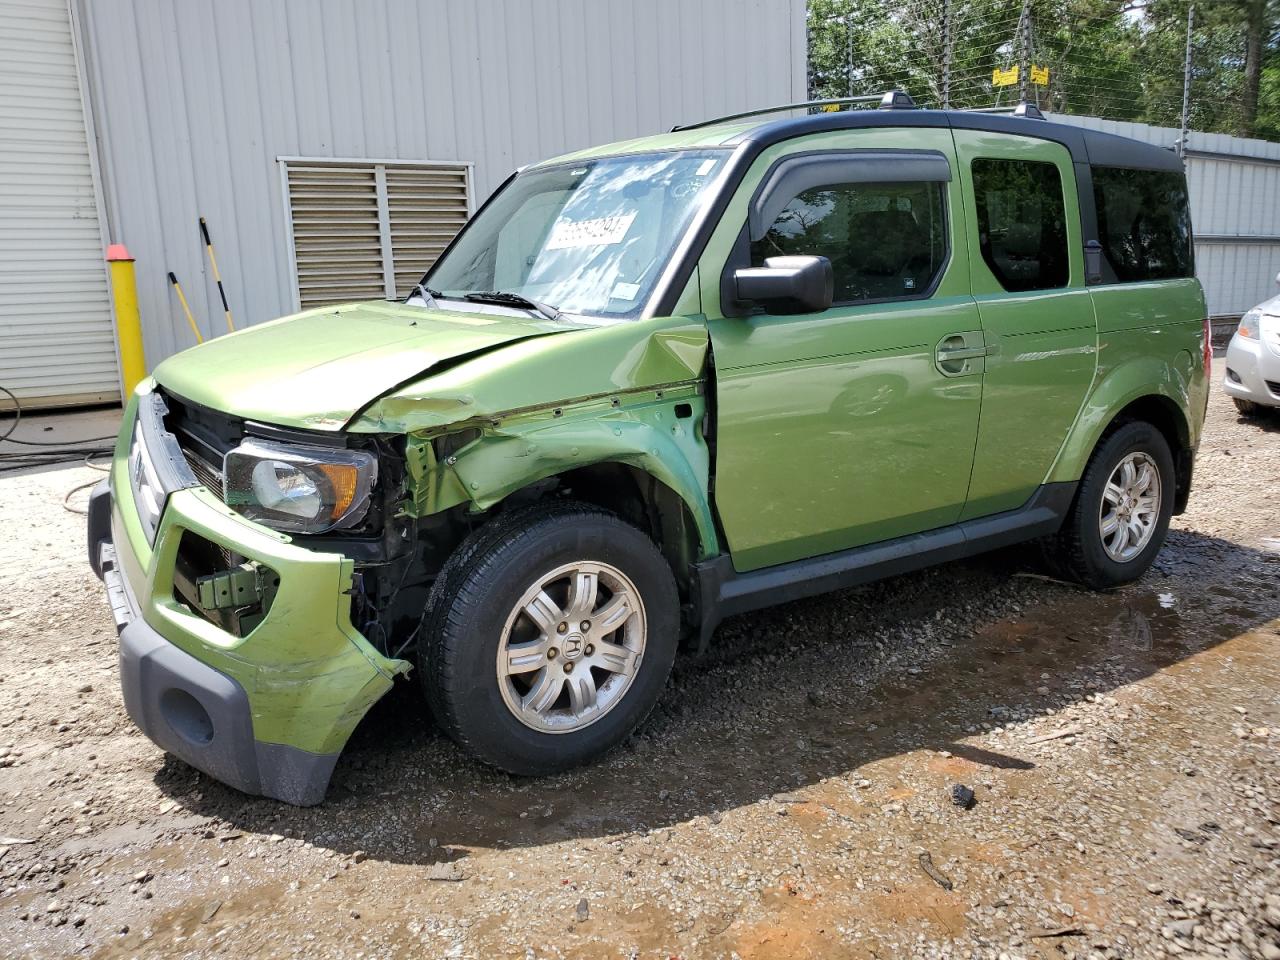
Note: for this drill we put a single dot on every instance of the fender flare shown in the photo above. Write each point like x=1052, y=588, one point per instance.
x=1133, y=380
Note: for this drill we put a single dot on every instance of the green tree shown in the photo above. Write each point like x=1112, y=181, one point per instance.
x=1121, y=59
x=1232, y=44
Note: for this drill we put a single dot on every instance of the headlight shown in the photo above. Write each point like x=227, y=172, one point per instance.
x=298, y=489
x=1249, y=324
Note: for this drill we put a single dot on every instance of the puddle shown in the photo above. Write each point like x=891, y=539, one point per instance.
x=173, y=927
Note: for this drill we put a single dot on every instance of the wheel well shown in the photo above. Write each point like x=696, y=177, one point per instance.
x=1163, y=414
x=643, y=501
x=634, y=495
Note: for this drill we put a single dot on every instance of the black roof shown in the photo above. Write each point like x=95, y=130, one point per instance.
x=1086, y=146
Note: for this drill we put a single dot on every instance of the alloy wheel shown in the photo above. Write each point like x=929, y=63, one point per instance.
x=1130, y=509
x=571, y=647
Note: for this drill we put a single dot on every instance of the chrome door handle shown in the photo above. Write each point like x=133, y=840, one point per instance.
x=961, y=354
x=948, y=354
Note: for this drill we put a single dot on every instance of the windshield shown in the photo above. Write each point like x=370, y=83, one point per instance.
x=589, y=238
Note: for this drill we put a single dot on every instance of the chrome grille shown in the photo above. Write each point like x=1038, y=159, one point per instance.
x=156, y=467
x=149, y=493
x=208, y=475
x=211, y=477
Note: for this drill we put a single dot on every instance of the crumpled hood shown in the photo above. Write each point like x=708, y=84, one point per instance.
x=315, y=370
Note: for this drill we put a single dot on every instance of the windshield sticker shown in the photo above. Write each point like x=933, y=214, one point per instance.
x=602, y=231
x=625, y=291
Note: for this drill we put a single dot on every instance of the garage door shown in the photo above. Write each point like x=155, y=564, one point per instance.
x=56, y=342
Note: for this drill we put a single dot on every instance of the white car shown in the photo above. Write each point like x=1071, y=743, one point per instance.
x=1253, y=359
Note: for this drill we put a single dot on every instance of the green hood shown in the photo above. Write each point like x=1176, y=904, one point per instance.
x=316, y=370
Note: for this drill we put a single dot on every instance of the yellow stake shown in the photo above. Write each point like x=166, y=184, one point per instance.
x=208, y=245
x=124, y=290
x=185, y=309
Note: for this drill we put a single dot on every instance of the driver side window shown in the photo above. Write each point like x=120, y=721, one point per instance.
x=885, y=241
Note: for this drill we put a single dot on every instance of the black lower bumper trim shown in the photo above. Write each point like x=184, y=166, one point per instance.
x=99, y=524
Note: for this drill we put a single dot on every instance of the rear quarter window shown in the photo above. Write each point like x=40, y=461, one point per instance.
x=1144, y=223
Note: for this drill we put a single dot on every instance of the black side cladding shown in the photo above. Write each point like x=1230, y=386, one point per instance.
x=723, y=592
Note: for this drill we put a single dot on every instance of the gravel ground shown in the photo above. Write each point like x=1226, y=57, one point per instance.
x=792, y=797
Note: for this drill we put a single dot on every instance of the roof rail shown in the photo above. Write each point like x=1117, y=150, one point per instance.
x=892, y=100
x=1023, y=109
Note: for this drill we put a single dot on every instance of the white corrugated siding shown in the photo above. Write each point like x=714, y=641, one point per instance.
x=1234, y=184
x=196, y=101
x=56, y=340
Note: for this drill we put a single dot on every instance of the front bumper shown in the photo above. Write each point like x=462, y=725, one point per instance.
x=267, y=713
x=1254, y=366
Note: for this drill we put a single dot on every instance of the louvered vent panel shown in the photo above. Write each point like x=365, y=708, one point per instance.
x=336, y=235
x=427, y=206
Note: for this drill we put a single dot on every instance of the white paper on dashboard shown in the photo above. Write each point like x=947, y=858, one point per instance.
x=599, y=232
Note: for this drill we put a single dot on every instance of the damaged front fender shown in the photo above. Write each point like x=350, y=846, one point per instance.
x=656, y=431
x=629, y=393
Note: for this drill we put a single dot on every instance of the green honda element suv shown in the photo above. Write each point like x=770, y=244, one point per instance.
x=648, y=386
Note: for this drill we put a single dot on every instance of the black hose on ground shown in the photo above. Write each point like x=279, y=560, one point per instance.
x=12, y=461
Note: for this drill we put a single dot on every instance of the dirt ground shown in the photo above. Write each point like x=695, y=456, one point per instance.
x=791, y=797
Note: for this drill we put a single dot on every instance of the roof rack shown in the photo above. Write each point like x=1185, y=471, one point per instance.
x=1023, y=109
x=892, y=100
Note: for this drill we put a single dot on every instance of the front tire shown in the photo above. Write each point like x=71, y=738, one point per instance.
x=1120, y=516
x=550, y=635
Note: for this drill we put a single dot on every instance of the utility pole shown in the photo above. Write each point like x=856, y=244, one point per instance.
x=1186, y=84
x=1024, y=54
x=848, y=54
x=946, y=54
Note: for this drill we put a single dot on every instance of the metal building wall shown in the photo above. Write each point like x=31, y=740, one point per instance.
x=56, y=342
x=1234, y=185
x=194, y=101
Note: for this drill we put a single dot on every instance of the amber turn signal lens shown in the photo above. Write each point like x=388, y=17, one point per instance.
x=342, y=479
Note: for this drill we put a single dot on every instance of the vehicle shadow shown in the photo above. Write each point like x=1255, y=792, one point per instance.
x=1268, y=421
x=787, y=698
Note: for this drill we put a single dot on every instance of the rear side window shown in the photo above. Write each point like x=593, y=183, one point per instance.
x=1144, y=223
x=885, y=241
x=1022, y=223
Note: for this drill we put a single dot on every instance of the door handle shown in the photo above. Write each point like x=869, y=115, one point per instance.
x=947, y=354
x=961, y=354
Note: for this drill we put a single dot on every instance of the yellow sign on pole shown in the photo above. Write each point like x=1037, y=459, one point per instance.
x=1040, y=75
x=1004, y=78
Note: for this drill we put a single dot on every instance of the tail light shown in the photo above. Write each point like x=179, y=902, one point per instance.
x=1208, y=346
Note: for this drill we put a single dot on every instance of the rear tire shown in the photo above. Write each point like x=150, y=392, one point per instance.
x=1120, y=516
x=1248, y=408
x=550, y=635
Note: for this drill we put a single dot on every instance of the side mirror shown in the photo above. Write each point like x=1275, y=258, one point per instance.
x=787, y=284
x=1278, y=279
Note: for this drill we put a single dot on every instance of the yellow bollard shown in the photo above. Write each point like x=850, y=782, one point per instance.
x=124, y=289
